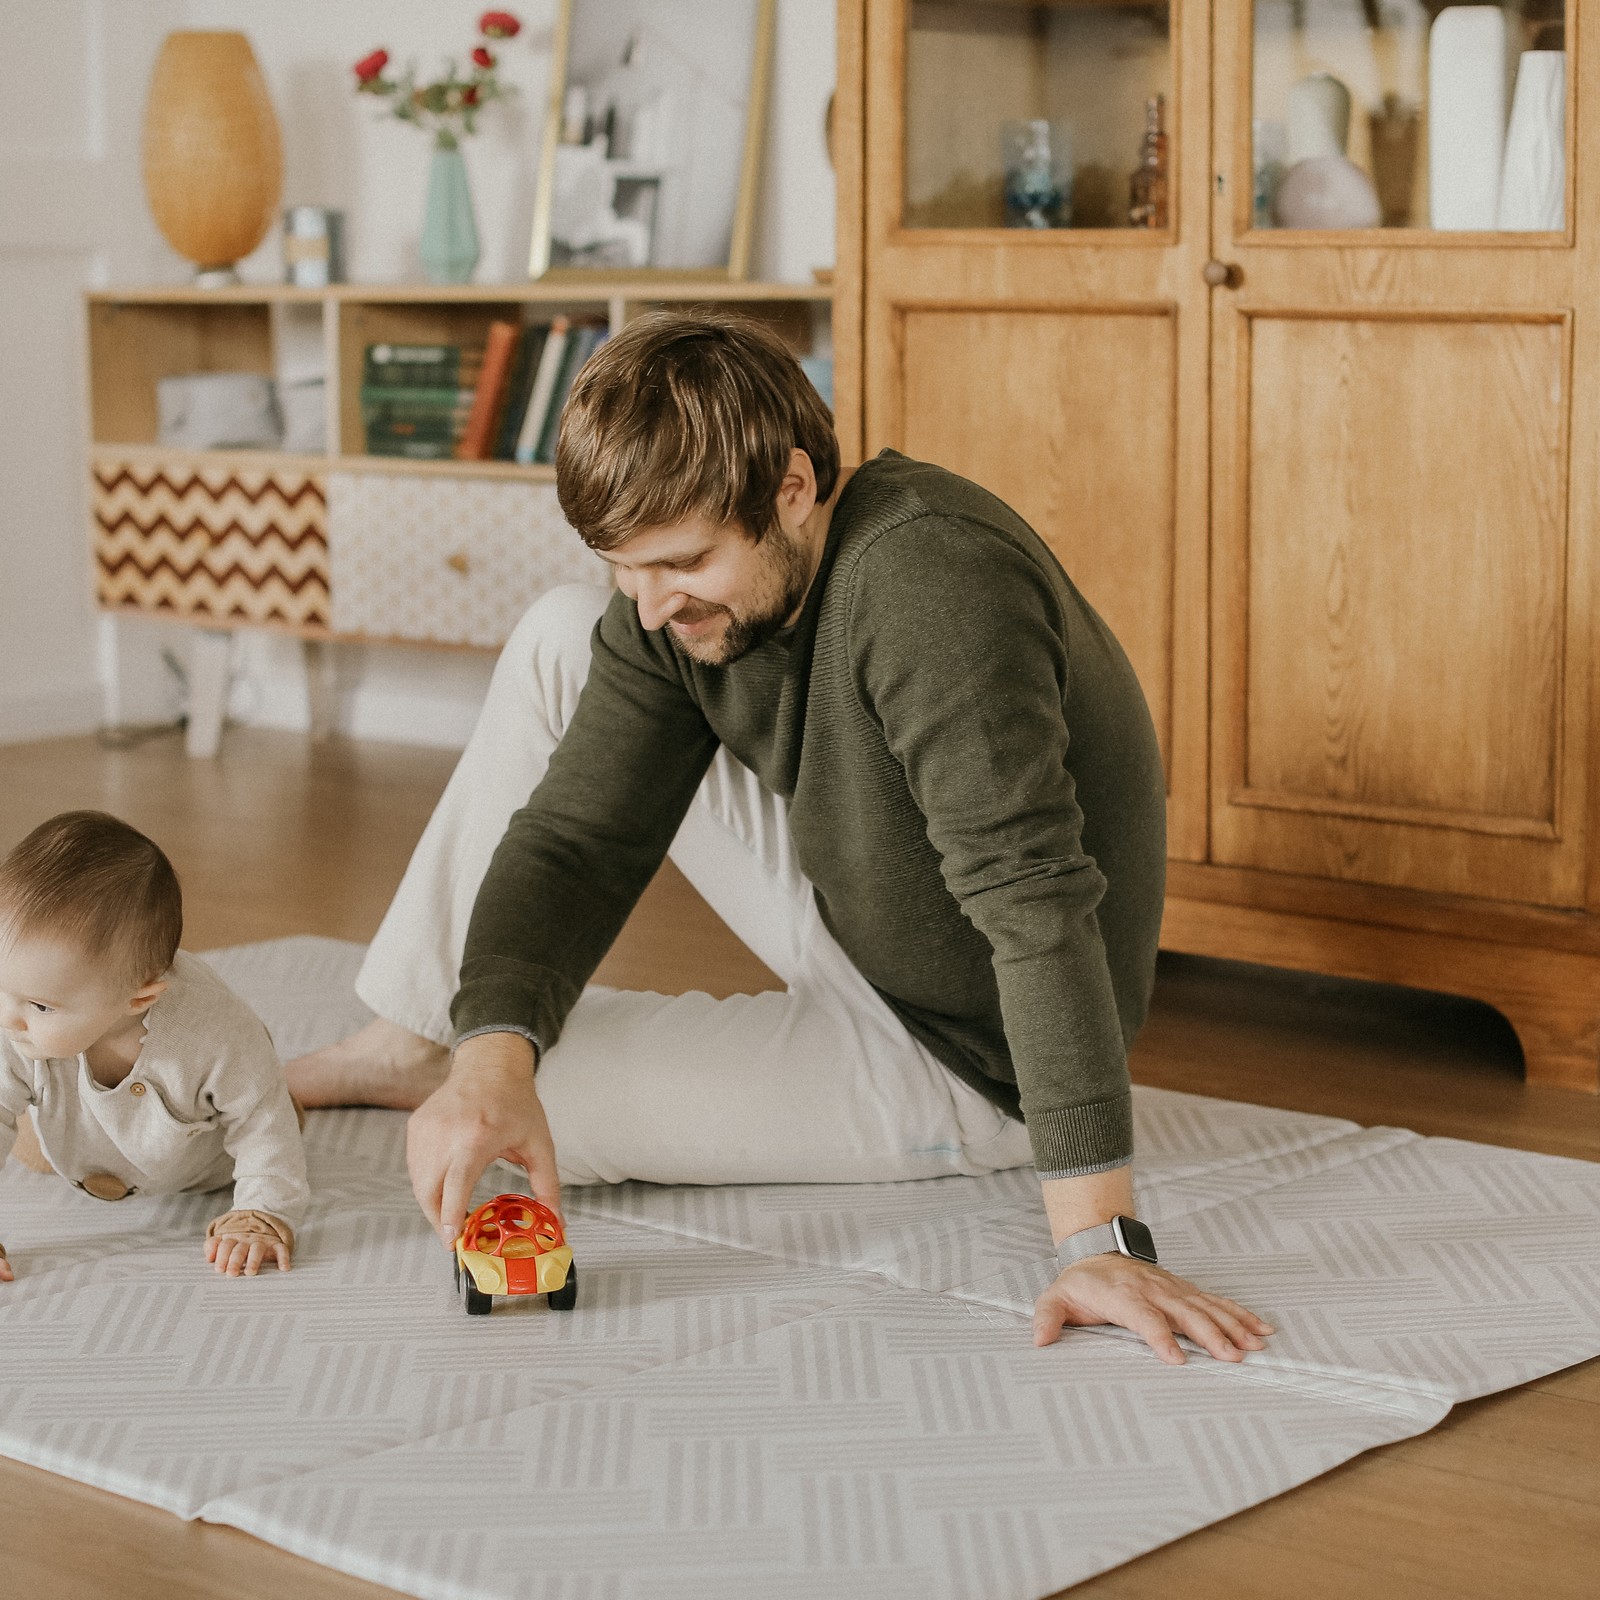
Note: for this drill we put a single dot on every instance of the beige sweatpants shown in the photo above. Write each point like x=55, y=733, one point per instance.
x=821, y=1083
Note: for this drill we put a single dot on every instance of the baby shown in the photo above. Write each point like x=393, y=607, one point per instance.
x=143, y=1071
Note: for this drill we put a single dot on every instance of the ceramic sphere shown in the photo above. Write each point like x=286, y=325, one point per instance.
x=1327, y=192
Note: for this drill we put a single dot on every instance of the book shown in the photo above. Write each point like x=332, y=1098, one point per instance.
x=477, y=439
x=413, y=365
x=393, y=412
x=524, y=368
x=584, y=342
x=544, y=382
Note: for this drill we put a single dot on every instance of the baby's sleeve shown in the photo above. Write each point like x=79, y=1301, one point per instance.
x=16, y=1095
x=260, y=1130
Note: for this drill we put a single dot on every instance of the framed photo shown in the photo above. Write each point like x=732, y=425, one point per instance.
x=653, y=139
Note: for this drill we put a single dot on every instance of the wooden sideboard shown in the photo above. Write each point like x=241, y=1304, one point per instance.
x=336, y=544
x=1338, y=492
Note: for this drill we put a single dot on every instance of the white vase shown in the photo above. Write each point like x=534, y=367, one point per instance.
x=1467, y=57
x=1319, y=118
x=1533, y=176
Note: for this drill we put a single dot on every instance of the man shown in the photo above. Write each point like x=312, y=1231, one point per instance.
x=881, y=732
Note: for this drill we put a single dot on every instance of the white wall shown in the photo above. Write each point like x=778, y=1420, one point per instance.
x=338, y=151
x=71, y=217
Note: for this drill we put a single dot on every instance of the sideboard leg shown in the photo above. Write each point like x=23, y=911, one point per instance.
x=1560, y=1037
x=209, y=652
x=321, y=688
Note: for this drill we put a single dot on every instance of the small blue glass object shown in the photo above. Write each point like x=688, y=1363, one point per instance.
x=1038, y=168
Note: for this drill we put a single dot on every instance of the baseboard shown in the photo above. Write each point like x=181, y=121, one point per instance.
x=54, y=714
x=401, y=717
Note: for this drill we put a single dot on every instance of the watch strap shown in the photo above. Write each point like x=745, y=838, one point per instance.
x=1109, y=1238
x=1087, y=1242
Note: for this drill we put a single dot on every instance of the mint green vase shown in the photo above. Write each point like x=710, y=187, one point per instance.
x=449, y=247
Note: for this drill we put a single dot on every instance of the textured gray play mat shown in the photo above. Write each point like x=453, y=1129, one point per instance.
x=777, y=1392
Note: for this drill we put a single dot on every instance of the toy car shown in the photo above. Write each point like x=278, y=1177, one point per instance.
x=514, y=1244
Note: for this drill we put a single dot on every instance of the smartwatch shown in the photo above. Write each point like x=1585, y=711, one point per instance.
x=1123, y=1236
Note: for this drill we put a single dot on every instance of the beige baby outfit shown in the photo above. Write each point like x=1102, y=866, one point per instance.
x=205, y=1105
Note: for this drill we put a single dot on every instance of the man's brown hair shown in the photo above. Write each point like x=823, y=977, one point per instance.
x=684, y=414
x=92, y=882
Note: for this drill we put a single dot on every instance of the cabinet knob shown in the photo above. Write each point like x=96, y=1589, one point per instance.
x=459, y=563
x=1223, y=275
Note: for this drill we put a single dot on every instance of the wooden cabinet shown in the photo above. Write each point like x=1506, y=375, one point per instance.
x=1335, y=489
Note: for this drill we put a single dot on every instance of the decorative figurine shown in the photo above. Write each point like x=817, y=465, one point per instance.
x=1147, y=188
x=1037, y=156
x=514, y=1244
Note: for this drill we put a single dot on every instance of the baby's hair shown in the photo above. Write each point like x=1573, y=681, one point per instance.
x=96, y=884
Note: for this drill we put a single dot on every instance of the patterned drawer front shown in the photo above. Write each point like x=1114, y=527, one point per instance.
x=451, y=560
x=213, y=543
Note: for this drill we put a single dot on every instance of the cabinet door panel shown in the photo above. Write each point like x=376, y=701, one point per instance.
x=1085, y=457
x=1062, y=366
x=1403, y=496
x=1406, y=584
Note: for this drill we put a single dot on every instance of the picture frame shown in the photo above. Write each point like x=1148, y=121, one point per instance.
x=653, y=139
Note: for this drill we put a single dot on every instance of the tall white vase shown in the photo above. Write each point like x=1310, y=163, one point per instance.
x=1319, y=118
x=1533, y=178
x=1467, y=57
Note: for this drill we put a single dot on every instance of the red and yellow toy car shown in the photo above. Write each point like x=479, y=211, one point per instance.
x=514, y=1244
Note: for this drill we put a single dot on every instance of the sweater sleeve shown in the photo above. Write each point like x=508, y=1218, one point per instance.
x=575, y=859
x=259, y=1129
x=961, y=655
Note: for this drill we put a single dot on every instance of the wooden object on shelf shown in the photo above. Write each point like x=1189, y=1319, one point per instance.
x=213, y=158
x=1339, y=496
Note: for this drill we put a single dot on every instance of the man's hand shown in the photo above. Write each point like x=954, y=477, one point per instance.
x=486, y=1110
x=1149, y=1301
x=6, y=1274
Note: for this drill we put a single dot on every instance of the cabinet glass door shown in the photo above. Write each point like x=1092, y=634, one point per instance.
x=1037, y=116
x=1408, y=114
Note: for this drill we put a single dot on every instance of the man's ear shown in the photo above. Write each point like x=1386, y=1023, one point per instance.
x=798, y=491
x=147, y=994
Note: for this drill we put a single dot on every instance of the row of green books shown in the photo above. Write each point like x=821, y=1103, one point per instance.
x=415, y=398
x=500, y=403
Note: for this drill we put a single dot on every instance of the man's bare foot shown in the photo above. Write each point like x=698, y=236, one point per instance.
x=381, y=1064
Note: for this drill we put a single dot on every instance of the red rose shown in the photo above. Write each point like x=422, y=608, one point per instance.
x=469, y=95
x=499, y=25
x=368, y=67
x=482, y=58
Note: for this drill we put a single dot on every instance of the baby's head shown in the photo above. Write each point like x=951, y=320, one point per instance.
x=90, y=919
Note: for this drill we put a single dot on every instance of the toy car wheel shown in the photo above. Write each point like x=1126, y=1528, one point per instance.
x=566, y=1297
x=479, y=1304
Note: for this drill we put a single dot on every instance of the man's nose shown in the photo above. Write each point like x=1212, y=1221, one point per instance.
x=658, y=601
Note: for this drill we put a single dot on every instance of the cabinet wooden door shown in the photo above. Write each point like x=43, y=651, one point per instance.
x=1405, y=460
x=1063, y=365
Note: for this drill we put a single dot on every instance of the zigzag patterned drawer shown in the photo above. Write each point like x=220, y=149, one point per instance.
x=446, y=560
x=218, y=544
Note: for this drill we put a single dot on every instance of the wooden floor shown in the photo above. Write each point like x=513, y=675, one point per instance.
x=1501, y=1501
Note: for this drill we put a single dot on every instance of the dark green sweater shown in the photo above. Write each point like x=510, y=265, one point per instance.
x=974, y=789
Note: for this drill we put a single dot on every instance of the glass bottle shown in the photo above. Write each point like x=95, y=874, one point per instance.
x=1147, y=189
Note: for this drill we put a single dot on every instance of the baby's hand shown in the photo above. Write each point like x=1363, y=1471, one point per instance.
x=6, y=1274
x=239, y=1243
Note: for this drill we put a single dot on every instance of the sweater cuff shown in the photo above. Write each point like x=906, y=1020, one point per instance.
x=1073, y=1141
x=502, y=996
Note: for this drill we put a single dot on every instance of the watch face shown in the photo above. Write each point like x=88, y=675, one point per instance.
x=1135, y=1238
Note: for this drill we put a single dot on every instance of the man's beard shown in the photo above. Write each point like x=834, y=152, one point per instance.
x=787, y=574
